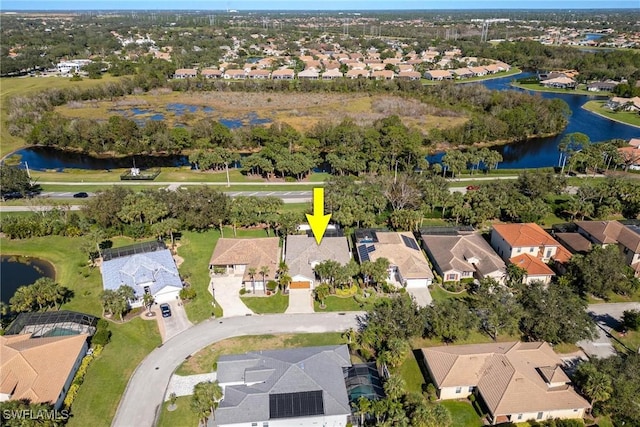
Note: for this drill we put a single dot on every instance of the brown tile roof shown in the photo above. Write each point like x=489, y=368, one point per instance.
x=410, y=262
x=464, y=253
x=533, y=265
x=37, y=368
x=575, y=242
x=520, y=235
x=254, y=253
x=605, y=232
x=511, y=377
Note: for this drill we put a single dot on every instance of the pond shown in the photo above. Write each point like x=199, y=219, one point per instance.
x=543, y=152
x=16, y=271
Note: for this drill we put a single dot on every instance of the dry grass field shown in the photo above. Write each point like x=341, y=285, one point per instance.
x=300, y=110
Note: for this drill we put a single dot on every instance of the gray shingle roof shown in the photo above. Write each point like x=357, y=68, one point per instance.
x=280, y=371
x=303, y=251
x=154, y=269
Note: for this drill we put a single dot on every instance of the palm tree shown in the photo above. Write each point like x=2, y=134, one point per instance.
x=362, y=407
x=598, y=387
x=147, y=300
x=349, y=334
x=321, y=293
x=252, y=274
x=394, y=387
x=264, y=270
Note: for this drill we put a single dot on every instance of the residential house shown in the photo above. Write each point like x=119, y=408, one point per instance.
x=234, y=74
x=478, y=71
x=606, y=86
x=283, y=388
x=438, y=75
x=529, y=247
x=240, y=256
x=462, y=73
x=383, y=75
x=185, y=73
x=151, y=271
x=310, y=74
x=331, y=74
x=283, y=74
x=73, y=66
x=211, y=73
x=39, y=369
x=302, y=254
x=630, y=156
x=463, y=256
x=625, y=104
x=560, y=83
x=258, y=74
x=409, y=75
x=514, y=381
x=354, y=74
x=408, y=265
x=604, y=233
x=576, y=243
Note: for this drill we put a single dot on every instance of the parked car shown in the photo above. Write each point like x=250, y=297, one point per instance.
x=473, y=187
x=81, y=195
x=165, y=309
x=12, y=195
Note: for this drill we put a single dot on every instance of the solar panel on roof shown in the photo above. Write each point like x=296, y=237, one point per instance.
x=363, y=253
x=300, y=404
x=371, y=249
x=410, y=243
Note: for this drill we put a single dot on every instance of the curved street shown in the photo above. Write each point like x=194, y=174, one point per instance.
x=145, y=391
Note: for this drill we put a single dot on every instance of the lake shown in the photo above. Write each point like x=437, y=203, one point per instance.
x=533, y=153
x=543, y=152
x=16, y=271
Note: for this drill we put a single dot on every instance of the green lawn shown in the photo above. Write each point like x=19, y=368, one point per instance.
x=462, y=413
x=182, y=416
x=537, y=87
x=334, y=303
x=411, y=373
x=439, y=294
x=598, y=107
x=108, y=375
x=277, y=303
x=204, y=360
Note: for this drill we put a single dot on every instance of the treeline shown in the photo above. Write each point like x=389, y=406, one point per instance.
x=605, y=64
x=494, y=116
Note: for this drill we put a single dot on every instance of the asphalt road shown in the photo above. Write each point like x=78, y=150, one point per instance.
x=607, y=317
x=147, y=386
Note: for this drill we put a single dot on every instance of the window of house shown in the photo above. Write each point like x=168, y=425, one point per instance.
x=470, y=389
x=519, y=250
x=458, y=390
x=254, y=424
x=451, y=276
x=519, y=416
x=265, y=424
x=531, y=250
x=539, y=417
x=548, y=253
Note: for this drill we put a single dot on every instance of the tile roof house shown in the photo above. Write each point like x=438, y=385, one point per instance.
x=309, y=73
x=332, y=73
x=408, y=265
x=211, y=73
x=39, y=369
x=283, y=74
x=237, y=256
x=529, y=247
x=604, y=233
x=465, y=256
x=409, y=75
x=302, y=254
x=185, y=73
x=516, y=381
x=438, y=75
x=153, y=272
x=302, y=386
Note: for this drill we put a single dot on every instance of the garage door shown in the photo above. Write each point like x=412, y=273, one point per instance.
x=300, y=285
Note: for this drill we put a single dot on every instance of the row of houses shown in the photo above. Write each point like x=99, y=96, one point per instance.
x=321, y=386
x=289, y=74
x=467, y=72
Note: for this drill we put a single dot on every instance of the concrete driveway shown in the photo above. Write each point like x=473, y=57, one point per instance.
x=147, y=386
x=300, y=301
x=422, y=296
x=226, y=290
x=607, y=318
x=176, y=323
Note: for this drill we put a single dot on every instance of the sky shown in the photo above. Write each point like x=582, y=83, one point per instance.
x=241, y=5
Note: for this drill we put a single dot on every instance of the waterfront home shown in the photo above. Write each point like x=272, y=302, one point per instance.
x=247, y=257
x=604, y=233
x=438, y=75
x=185, y=73
x=302, y=254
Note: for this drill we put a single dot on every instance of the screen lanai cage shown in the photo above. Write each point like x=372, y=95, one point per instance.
x=53, y=323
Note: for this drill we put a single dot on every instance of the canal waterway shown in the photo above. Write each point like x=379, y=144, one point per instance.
x=533, y=153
